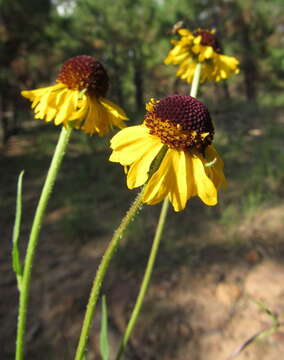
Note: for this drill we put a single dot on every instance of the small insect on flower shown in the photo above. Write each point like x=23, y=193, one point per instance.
x=201, y=46
x=180, y=128
x=78, y=98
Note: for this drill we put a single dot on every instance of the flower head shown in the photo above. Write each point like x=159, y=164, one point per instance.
x=190, y=167
x=78, y=97
x=201, y=46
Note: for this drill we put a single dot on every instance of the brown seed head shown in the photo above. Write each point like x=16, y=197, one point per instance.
x=209, y=39
x=181, y=122
x=84, y=72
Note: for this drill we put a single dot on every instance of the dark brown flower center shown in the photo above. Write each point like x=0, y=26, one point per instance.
x=209, y=39
x=181, y=122
x=84, y=73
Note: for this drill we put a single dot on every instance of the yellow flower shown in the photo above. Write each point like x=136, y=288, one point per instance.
x=78, y=98
x=201, y=46
x=191, y=166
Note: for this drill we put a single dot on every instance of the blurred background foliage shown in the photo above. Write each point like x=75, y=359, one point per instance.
x=132, y=38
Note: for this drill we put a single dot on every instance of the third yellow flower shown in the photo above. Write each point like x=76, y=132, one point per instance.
x=201, y=46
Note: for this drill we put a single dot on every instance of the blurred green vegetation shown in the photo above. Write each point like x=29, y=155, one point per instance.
x=131, y=38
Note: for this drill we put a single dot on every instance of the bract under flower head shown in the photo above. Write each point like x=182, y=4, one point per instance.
x=190, y=167
x=201, y=46
x=78, y=98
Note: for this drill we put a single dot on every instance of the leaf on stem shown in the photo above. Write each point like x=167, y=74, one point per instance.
x=104, y=345
x=16, y=231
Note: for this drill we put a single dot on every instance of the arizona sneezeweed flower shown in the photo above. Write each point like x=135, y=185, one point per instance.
x=190, y=167
x=201, y=46
x=78, y=98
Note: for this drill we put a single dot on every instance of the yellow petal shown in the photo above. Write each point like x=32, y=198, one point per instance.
x=114, y=109
x=129, y=144
x=190, y=181
x=197, y=39
x=128, y=136
x=185, y=32
x=59, y=99
x=158, y=186
x=138, y=172
x=38, y=93
x=196, y=48
x=215, y=172
x=178, y=50
x=204, y=185
x=178, y=191
x=50, y=114
x=81, y=109
x=41, y=107
x=63, y=105
x=65, y=110
x=208, y=52
x=96, y=118
x=48, y=102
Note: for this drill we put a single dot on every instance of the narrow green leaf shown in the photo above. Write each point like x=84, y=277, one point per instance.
x=16, y=231
x=104, y=346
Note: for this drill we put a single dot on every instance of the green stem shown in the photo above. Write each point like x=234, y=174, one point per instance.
x=154, y=250
x=34, y=236
x=146, y=278
x=195, y=81
x=100, y=274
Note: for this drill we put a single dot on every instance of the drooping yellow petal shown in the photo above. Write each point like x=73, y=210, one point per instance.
x=204, y=185
x=61, y=104
x=191, y=187
x=179, y=187
x=96, y=118
x=183, y=185
x=50, y=114
x=196, y=48
x=185, y=32
x=188, y=74
x=81, y=106
x=215, y=169
x=197, y=39
x=38, y=93
x=42, y=105
x=208, y=52
x=116, y=115
x=65, y=110
x=139, y=170
x=158, y=186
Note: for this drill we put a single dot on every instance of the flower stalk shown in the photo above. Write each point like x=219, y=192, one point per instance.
x=100, y=274
x=154, y=249
x=146, y=279
x=105, y=262
x=34, y=237
x=195, y=81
